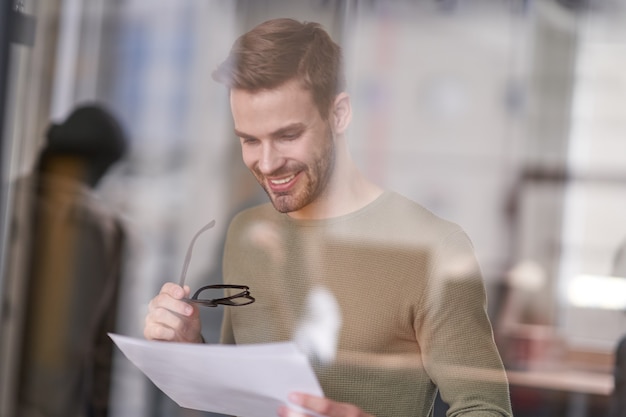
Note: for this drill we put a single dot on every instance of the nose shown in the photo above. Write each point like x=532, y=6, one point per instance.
x=270, y=159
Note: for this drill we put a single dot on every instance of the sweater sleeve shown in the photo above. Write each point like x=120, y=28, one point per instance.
x=227, y=336
x=455, y=335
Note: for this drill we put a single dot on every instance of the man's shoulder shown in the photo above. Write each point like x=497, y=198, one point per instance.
x=253, y=216
x=263, y=210
x=398, y=208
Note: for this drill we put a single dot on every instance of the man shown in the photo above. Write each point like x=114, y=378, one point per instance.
x=64, y=270
x=386, y=297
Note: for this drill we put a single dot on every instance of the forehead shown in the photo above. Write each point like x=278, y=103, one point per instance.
x=264, y=111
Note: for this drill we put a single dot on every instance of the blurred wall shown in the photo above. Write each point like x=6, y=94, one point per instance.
x=501, y=116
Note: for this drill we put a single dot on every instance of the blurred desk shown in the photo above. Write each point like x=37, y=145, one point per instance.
x=578, y=385
x=593, y=383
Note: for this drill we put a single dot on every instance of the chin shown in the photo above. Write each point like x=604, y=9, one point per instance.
x=284, y=206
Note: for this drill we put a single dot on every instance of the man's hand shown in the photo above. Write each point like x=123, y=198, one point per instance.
x=321, y=406
x=170, y=318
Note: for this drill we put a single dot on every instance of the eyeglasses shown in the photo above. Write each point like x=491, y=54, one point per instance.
x=240, y=298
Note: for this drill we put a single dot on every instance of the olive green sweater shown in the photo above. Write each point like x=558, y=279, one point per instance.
x=388, y=301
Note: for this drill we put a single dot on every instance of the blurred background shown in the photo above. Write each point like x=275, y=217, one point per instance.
x=505, y=116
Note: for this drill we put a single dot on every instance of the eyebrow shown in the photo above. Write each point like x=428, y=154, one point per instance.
x=277, y=133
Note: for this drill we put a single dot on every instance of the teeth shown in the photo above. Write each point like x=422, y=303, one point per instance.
x=283, y=180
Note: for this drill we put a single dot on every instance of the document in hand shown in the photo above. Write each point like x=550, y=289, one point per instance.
x=242, y=380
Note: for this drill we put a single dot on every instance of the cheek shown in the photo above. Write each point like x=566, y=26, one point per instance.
x=249, y=158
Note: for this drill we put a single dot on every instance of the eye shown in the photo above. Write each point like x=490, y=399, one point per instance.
x=291, y=135
x=249, y=141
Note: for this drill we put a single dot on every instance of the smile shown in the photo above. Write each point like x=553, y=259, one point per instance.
x=282, y=180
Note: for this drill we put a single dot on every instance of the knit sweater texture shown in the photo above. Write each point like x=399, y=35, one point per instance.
x=388, y=302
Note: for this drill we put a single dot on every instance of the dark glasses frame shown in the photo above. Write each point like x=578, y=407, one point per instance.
x=240, y=298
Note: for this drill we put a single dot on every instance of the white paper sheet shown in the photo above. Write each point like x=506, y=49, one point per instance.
x=243, y=380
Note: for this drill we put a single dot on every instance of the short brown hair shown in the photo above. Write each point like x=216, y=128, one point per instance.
x=280, y=50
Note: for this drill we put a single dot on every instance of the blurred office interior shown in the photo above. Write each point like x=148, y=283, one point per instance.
x=505, y=116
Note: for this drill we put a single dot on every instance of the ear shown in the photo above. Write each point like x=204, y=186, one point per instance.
x=341, y=113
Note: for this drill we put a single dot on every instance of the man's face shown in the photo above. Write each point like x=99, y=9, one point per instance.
x=285, y=143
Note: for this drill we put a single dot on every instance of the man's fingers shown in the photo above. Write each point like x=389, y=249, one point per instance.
x=160, y=324
x=167, y=318
x=158, y=332
x=163, y=324
x=318, y=404
x=171, y=318
x=174, y=290
x=322, y=406
x=165, y=300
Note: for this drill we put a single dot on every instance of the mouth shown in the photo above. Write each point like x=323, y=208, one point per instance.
x=283, y=180
x=281, y=184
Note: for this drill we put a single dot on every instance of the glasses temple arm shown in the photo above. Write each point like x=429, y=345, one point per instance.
x=183, y=274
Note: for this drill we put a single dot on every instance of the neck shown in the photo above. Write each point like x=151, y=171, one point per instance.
x=348, y=191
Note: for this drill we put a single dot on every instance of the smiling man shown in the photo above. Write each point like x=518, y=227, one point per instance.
x=299, y=157
x=385, y=297
x=286, y=144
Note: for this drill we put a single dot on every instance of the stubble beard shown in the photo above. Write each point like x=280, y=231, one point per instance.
x=316, y=180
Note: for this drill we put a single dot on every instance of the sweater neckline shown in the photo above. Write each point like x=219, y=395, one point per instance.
x=386, y=194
